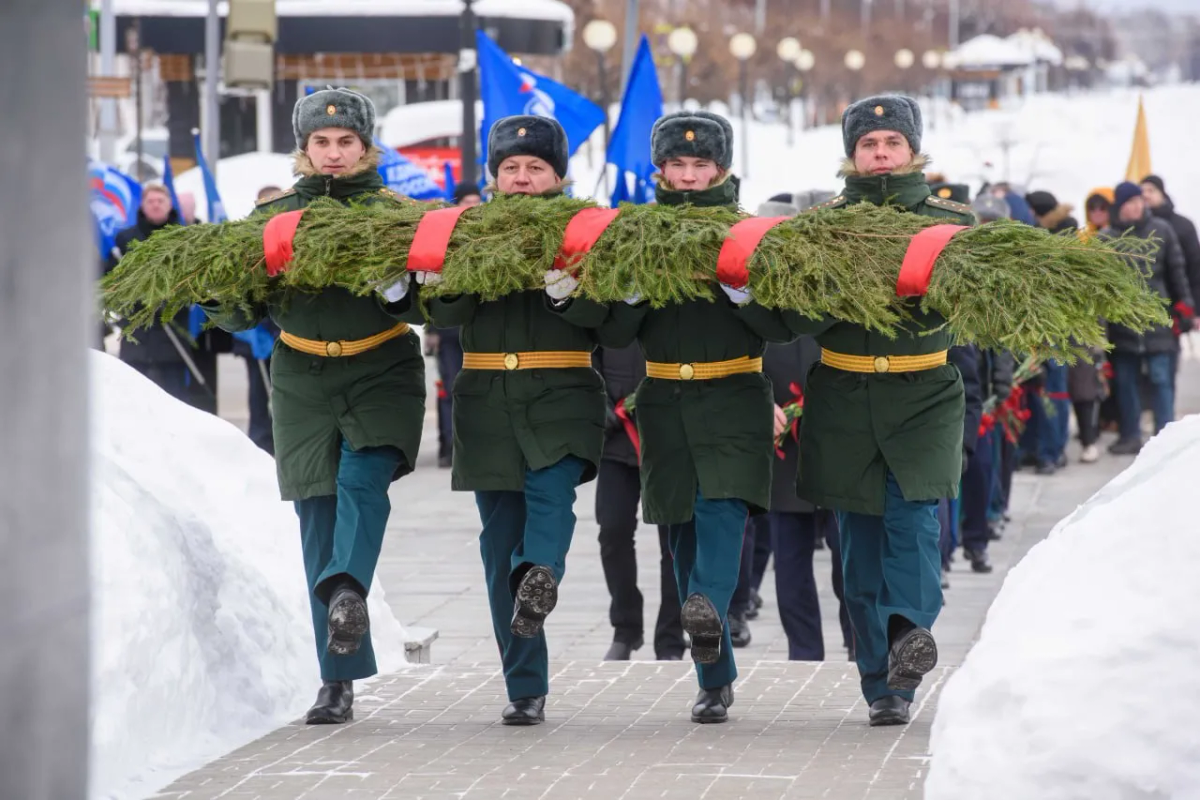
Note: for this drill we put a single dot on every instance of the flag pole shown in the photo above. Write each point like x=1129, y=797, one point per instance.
x=468, y=64
x=629, y=52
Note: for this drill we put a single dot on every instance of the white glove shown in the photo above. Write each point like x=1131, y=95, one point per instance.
x=429, y=278
x=395, y=292
x=560, y=285
x=739, y=296
x=634, y=299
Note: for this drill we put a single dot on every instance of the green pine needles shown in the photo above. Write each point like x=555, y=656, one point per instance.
x=1003, y=285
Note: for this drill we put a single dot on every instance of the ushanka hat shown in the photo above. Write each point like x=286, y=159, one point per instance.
x=885, y=112
x=699, y=134
x=333, y=108
x=524, y=135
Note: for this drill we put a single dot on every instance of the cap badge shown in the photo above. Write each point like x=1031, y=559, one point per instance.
x=879, y=111
x=690, y=136
x=331, y=110
x=520, y=132
x=945, y=192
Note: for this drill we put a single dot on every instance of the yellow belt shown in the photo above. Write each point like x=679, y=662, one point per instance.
x=315, y=347
x=703, y=371
x=882, y=364
x=540, y=359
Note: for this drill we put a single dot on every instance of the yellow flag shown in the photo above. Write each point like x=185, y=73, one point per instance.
x=1139, y=159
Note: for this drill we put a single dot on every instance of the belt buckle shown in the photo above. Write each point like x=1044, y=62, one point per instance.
x=883, y=364
x=686, y=372
x=511, y=361
x=333, y=349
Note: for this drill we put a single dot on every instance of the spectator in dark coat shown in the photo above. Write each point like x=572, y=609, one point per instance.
x=966, y=358
x=995, y=379
x=618, y=492
x=1163, y=207
x=1051, y=214
x=1155, y=349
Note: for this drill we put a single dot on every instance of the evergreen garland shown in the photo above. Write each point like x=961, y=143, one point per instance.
x=1002, y=286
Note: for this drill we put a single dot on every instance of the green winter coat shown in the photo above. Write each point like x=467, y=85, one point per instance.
x=373, y=399
x=508, y=422
x=712, y=435
x=858, y=427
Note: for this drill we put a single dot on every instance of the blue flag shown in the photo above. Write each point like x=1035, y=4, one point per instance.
x=114, y=200
x=507, y=89
x=629, y=147
x=216, y=209
x=451, y=184
x=404, y=177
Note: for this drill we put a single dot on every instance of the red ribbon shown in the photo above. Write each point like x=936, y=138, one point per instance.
x=794, y=428
x=428, y=250
x=738, y=248
x=922, y=252
x=277, y=237
x=442, y=394
x=630, y=428
x=582, y=231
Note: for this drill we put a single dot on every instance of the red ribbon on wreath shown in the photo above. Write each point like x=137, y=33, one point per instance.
x=278, y=237
x=922, y=253
x=427, y=253
x=630, y=428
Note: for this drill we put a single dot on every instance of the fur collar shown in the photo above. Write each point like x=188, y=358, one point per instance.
x=1056, y=217
x=302, y=165
x=918, y=164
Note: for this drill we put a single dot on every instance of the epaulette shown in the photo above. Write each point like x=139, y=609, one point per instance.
x=949, y=205
x=274, y=197
x=835, y=202
x=394, y=195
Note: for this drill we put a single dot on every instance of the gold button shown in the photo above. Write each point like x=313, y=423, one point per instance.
x=945, y=192
x=511, y=361
x=879, y=111
x=690, y=136
x=520, y=132
x=882, y=364
x=686, y=372
x=331, y=110
x=333, y=349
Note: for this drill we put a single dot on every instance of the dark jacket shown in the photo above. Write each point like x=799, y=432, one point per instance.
x=996, y=372
x=623, y=369
x=1188, y=240
x=1084, y=382
x=785, y=365
x=1166, y=275
x=966, y=358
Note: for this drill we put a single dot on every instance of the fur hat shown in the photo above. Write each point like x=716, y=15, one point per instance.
x=887, y=112
x=334, y=108
x=699, y=134
x=957, y=192
x=524, y=135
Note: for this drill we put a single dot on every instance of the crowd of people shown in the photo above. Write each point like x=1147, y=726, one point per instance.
x=860, y=443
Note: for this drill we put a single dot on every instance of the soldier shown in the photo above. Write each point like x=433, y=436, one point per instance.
x=882, y=433
x=528, y=421
x=705, y=413
x=349, y=399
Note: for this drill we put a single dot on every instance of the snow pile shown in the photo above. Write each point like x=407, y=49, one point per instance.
x=201, y=626
x=1084, y=683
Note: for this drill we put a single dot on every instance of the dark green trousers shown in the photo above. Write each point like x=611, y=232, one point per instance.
x=522, y=530
x=341, y=536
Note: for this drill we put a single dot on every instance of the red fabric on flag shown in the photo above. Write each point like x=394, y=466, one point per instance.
x=582, y=232
x=630, y=428
x=923, y=251
x=733, y=264
x=277, y=237
x=427, y=253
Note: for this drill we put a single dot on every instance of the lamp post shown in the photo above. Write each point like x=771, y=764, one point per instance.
x=788, y=51
x=682, y=42
x=932, y=61
x=743, y=46
x=904, y=59
x=855, y=61
x=467, y=62
x=805, y=61
x=600, y=35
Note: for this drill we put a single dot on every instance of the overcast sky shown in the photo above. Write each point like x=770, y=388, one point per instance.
x=1178, y=6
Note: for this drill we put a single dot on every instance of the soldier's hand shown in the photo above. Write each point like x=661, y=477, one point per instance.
x=560, y=285
x=396, y=291
x=739, y=297
x=429, y=278
x=780, y=421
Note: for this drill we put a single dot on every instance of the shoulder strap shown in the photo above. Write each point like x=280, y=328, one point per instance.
x=836, y=202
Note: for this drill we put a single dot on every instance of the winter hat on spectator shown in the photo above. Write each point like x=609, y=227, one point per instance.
x=1100, y=197
x=525, y=135
x=334, y=108
x=781, y=205
x=1124, y=192
x=464, y=190
x=988, y=208
x=699, y=134
x=886, y=112
x=1155, y=181
x=1041, y=203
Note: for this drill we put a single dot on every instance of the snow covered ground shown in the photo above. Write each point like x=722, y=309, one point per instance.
x=201, y=628
x=1084, y=681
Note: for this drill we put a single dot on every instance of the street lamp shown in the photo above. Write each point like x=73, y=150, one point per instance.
x=855, y=61
x=905, y=58
x=931, y=60
x=742, y=46
x=600, y=35
x=683, y=43
x=805, y=61
x=468, y=60
x=789, y=50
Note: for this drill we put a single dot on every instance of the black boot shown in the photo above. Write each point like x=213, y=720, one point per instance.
x=348, y=621
x=537, y=595
x=756, y=602
x=712, y=705
x=1126, y=447
x=979, y=561
x=739, y=631
x=622, y=651
x=702, y=622
x=335, y=704
x=913, y=654
x=890, y=710
x=526, y=711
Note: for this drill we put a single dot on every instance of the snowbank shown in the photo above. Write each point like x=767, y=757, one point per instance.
x=1084, y=683
x=201, y=627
